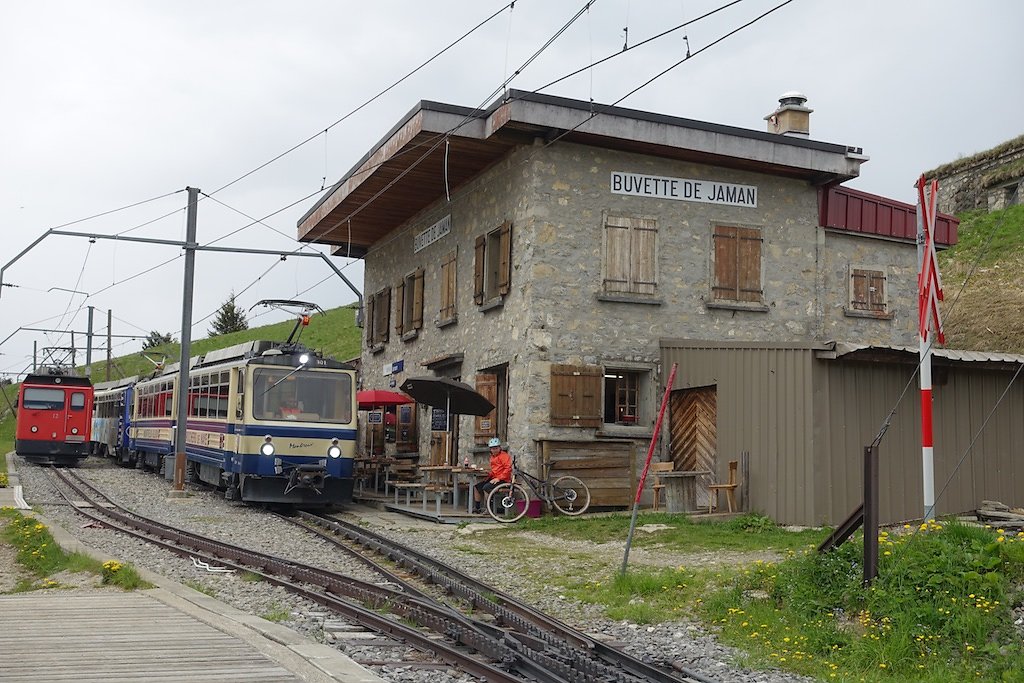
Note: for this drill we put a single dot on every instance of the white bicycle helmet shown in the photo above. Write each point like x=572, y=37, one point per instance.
x=494, y=442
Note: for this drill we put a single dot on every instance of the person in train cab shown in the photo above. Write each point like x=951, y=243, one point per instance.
x=501, y=471
x=290, y=409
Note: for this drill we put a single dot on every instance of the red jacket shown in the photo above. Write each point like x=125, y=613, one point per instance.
x=501, y=466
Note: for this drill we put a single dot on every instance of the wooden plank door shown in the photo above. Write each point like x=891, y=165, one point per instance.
x=693, y=440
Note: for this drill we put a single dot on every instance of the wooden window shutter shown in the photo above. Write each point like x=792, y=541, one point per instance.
x=487, y=425
x=644, y=256
x=876, y=291
x=576, y=395
x=371, y=320
x=726, y=252
x=478, y=269
x=616, y=237
x=400, y=308
x=447, y=311
x=417, y=300
x=859, y=290
x=749, y=264
x=384, y=314
x=505, y=262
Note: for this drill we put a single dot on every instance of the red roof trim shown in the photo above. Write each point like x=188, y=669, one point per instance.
x=843, y=208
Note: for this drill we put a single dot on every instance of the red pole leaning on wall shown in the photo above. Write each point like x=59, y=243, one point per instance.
x=647, y=463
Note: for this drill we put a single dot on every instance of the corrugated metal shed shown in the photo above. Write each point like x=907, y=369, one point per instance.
x=804, y=413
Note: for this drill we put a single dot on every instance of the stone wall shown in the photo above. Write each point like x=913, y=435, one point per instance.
x=981, y=181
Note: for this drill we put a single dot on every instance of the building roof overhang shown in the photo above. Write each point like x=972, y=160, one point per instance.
x=436, y=148
x=910, y=355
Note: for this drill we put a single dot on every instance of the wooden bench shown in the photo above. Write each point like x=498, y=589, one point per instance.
x=440, y=492
x=657, y=468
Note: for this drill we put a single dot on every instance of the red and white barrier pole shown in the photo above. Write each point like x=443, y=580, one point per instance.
x=929, y=293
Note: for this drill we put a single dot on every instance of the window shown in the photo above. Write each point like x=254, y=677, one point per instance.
x=737, y=253
x=448, y=311
x=378, y=312
x=576, y=395
x=492, y=266
x=43, y=399
x=305, y=395
x=630, y=255
x=867, y=293
x=621, y=397
x=409, y=305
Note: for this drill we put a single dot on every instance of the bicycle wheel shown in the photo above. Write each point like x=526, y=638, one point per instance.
x=570, y=496
x=507, y=502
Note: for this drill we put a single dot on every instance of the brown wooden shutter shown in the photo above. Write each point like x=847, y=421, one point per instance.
x=417, y=300
x=749, y=264
x=505, y=259
x=487, y=425
x=400, y=308
x=644, y=260
x=726, y=253
x=859, y=290
x=384, y=314
x=447, y=310
x=371, y=320
x=478, y=269
x=576, y=395
x=616, y=254
x=876, y=291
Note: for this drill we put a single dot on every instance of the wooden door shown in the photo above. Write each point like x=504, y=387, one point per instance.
x=693, y=440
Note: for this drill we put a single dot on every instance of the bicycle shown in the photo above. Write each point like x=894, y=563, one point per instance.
x=508, y=502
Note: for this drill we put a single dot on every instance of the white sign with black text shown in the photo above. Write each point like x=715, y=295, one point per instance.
x=683, y=189
x=432, y=234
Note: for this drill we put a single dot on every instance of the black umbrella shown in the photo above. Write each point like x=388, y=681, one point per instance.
x=441, y=392
x=454, y=397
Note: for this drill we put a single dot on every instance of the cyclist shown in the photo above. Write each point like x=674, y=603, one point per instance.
x=501, y=471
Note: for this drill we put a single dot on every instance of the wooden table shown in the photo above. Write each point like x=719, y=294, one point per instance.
x=681, y=489
x=376, y=464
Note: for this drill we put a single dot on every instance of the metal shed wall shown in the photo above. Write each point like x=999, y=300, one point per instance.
x=765, y=407
x=861, y=394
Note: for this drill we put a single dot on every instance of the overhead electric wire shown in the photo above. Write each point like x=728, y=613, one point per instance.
x=369, y=101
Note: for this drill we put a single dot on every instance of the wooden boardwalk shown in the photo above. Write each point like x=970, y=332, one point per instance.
x=114, y=636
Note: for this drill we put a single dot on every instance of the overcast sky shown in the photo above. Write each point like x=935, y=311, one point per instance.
x=107, y=104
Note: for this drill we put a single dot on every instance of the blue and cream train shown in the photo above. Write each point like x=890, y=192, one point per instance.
x=267, y=423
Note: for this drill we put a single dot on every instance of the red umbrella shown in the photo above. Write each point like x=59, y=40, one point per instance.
x=369, y=399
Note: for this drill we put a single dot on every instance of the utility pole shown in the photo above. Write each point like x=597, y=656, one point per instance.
x=186, y=343
x=88, y=346
x=35, y=353
x=110, y=315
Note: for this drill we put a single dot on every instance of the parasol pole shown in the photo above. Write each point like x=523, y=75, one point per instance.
x=448, y=428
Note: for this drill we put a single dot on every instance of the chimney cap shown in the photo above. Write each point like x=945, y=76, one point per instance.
x=793, y=97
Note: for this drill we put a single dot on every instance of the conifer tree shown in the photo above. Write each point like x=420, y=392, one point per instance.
x=230, y=318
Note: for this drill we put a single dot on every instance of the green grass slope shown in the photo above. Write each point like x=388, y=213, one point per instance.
x=334, y=334
x=983, y=283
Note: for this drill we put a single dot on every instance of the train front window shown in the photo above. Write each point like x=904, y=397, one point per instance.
x=44, y=399
x=77, y=400
x=305, y=395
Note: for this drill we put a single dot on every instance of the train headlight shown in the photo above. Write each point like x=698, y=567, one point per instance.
x=334, y=450
x=34, y=429
x=74, y=430
x=303, y=359
x=267, y=448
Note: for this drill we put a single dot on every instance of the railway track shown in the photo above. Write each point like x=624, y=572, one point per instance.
x=514, y=643
x=528, y=623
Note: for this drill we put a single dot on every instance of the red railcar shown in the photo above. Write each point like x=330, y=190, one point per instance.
x=54, y=419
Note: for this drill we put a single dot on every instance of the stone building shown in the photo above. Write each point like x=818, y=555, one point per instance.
x=543, y=249
x=990, y=180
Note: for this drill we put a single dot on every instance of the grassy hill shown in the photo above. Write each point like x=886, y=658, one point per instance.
x=983, y=282
x=334, y=334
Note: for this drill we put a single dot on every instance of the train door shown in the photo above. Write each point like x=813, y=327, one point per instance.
x=78, y=417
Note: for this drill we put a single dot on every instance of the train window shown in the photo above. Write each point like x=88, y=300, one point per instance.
x=304, y=395
x=44, y=399
x=77, y=400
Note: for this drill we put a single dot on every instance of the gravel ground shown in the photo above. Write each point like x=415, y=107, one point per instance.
x=209, y=514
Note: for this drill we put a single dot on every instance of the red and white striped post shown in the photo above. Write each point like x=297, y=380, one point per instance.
x=929, y=294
